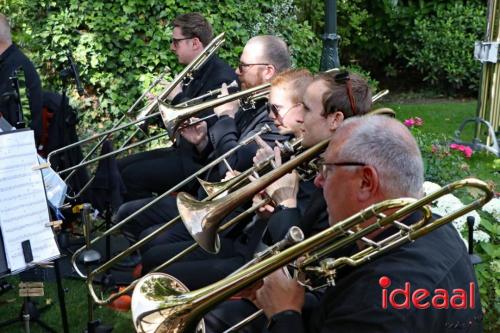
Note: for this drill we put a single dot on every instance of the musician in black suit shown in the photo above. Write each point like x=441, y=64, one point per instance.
x=328, y=100
x=157, y=170
x=263, y=58
x=371, y=159
x=12, y=59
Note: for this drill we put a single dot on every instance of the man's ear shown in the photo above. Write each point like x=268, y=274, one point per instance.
x=269, y=72
x=197, y=43
x=368, y=185
x=334, y=120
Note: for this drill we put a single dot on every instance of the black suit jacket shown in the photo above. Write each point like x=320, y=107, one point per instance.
x=12, y=59
x=228, y=132
x=354, y=304
x=210, y=76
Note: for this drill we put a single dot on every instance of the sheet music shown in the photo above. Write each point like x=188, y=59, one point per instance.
x=23, y=205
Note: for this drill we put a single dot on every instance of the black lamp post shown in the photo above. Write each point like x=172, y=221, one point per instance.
x=330, y=54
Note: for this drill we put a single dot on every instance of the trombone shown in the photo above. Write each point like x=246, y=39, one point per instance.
x=161, y=304
x=187, y=73
x=174, y=117
x=196, y=216
x=311, y=152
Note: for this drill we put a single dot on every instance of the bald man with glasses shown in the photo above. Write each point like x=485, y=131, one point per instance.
x=268, y=55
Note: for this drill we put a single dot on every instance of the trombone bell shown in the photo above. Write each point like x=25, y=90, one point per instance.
x=149, y=296
x=193, y=215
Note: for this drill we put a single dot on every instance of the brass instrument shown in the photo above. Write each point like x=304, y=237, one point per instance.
x=287, y=148
x=211, y=93
x=379, y=95
x=187, y=72
x=136, y=246
x=163, y=309
x=192, y=212
x=173, y=117
x=383, y=111
x=177, y=113
x=202, y=219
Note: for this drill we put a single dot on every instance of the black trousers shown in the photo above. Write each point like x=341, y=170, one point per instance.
x=150, y=219
x=156, y=171
x=197, y=269
x=230, y=312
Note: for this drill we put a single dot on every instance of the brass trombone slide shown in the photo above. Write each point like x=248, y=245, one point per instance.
x=192, y=212
x=178, y=116
x=165, y=310
x=173, y=117
x=187, y=72
x=263, y=182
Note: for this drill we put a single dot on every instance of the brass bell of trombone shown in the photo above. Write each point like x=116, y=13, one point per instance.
x=193, y=212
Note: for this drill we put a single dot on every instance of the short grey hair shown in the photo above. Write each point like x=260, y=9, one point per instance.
x=5, y=34
x=275, y=51
x=390, y=148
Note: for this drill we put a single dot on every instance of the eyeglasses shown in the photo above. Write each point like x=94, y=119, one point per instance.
x=176, y=41
x=242, y=65
x=344, y=78
x=324, y=167
x=272, y=108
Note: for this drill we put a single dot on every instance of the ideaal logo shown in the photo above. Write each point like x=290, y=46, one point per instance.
x=439, y=299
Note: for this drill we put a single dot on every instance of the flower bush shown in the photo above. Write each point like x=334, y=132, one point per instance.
x=413, y=122
x=464, y=149
x=445, y=163
x=450, y=203
x=439, y=157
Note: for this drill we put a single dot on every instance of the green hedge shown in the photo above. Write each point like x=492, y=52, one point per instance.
x=121, y=46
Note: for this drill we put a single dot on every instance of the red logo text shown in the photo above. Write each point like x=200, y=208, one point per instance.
x=422, y=298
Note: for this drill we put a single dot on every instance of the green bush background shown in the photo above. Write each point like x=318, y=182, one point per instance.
x=122, y=45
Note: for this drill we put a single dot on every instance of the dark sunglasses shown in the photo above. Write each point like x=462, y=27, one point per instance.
x=344, y=78
x=272, y=108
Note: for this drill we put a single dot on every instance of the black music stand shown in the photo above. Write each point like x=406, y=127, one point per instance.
x=29, y=311
x=474, y=258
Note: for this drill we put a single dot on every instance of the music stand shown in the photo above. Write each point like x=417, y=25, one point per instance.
x=26, y=235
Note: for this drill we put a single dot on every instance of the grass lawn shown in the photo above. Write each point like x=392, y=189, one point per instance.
x=445, y=118
x=439, y=117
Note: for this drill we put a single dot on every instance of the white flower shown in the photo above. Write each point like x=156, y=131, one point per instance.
x=449, y=203
x=481, y=236
x=430, y=187
x=493, y=207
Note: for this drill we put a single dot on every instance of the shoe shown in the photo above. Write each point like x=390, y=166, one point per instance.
x=122, y=303
x=129, y=262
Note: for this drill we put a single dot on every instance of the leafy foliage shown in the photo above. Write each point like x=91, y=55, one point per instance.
x=440, y=47
x=121, y=46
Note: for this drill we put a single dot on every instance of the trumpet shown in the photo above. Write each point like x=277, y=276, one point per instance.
x=187, y=73
x=159, y=305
